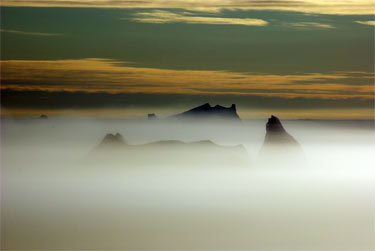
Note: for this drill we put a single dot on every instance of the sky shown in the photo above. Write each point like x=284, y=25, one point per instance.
x=298, y=59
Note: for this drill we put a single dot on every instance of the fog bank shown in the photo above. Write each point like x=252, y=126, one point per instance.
x=56, y=195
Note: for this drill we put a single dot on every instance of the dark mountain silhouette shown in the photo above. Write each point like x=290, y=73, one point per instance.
x=113, y=149
x=279, y=147
x=208, y=111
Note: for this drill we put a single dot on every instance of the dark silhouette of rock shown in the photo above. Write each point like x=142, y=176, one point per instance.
x=279, y=147
x=113, y=149
x=112, y=140
x=276, y=134
x=43, y=116
x=151, y=116
x=209, y=112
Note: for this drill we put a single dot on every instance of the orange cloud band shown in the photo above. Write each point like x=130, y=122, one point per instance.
x=104, y=75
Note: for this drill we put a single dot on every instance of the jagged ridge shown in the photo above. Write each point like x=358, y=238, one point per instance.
x=206, y=110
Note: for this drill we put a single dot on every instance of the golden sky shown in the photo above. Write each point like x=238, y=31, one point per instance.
x=285, y=55
x=104, y=75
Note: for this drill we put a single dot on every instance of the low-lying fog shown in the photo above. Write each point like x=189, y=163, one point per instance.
x=56, y=193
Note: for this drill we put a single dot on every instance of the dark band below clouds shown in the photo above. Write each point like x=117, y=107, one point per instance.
x=63, y=100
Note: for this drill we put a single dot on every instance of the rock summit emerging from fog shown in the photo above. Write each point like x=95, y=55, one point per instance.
x=208, y=111
x=274, y=125
x=275, y=133
x=279, y=147
x=113, y=149
x=151, y=116
x=112, y=140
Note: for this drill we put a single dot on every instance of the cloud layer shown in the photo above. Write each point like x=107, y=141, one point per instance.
x=161, y=17
x=43, y=34
x=103, y=75
x=366, y=22
x=339, y=7
x=308, y=25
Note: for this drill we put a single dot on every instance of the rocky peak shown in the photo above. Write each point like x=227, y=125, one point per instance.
x=274, y=125
x=275, y=132
x=113, y=140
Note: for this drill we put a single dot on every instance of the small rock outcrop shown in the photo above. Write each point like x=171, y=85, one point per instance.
x=151, y=116
x=112, y=140
x=43, y=116
x=208, y=111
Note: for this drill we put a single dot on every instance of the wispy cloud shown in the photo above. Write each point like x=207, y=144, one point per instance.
x=102, y=75
x=309, y=25
x=162, y=17
x=30, y=33
x=366, y=22
x=337, y=7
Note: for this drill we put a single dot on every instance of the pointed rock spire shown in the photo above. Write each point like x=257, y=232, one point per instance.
x=279, y=147
x=275, y=132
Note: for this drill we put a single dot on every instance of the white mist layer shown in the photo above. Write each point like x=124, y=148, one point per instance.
x=51, y=198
